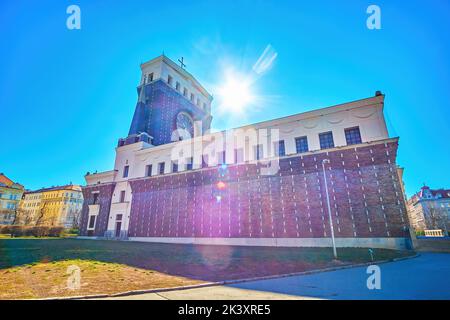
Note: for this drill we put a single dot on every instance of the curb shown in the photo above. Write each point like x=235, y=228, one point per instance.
x=228, y=282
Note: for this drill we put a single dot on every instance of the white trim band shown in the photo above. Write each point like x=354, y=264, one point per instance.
x=385, y=243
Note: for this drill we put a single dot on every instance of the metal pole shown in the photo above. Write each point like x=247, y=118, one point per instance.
x=329, y=207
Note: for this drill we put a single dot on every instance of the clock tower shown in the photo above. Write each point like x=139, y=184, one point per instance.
x=172, y=105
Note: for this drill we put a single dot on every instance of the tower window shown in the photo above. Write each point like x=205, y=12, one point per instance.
x=125, y=171
x=353, y=135
x=177, y=86
x=185, y=93
x=150, y=77
x=198, y=102
x=169, y=79
x=122, y=196
x=148, y=170
x=326, y=140
x=161, y=167
x=301, y=144
x=204, y=106
x=192, y=97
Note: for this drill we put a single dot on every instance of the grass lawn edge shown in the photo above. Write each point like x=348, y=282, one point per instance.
x=227, y=282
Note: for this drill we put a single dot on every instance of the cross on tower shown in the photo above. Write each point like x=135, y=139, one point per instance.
x=182, y=65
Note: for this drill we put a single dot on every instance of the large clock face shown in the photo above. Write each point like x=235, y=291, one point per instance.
x=184, y=122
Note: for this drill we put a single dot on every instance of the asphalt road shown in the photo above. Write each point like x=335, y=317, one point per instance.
x=424, y=277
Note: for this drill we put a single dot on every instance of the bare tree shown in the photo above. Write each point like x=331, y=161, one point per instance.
x=76, y=219
x=41, y=215
x=22, y=217
x=437, y=218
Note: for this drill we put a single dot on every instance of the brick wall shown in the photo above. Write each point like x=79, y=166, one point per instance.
x=104, y=200
x=365, y=195
x=157, y=116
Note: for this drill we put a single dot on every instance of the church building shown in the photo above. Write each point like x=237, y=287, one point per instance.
x=272, y=183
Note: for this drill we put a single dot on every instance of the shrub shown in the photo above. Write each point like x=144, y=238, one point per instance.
x=32, y=231
x=5, y=229
x=55, y=231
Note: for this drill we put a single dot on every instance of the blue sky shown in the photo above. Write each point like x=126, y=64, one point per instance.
x=66, y=96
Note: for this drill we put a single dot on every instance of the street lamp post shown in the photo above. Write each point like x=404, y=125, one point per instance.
x=329, y=207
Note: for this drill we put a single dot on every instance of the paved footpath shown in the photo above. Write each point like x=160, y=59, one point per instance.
x=424, y=277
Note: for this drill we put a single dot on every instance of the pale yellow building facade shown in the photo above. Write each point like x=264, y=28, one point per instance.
x=56, y=206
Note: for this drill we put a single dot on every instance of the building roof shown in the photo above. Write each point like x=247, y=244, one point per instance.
x=426, y=193
x=181, y=71
x=7, y=182
x=69, y=187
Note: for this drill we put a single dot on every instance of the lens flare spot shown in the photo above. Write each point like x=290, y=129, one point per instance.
x=221, y=185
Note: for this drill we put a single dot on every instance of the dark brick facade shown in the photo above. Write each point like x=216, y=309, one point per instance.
x=364, y=187
x=157, y=114
x=104, y=200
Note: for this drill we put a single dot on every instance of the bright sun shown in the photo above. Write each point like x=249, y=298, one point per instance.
x=235, y=94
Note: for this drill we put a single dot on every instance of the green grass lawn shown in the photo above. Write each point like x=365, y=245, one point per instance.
x=168, y=264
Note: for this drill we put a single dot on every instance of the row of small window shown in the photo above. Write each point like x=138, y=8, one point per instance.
x=9, y=205
x=197, y=102
x=352, y=136
x=10, y=196
x=6, y=217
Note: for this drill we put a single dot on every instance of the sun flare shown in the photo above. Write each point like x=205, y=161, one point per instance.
x=235, y=95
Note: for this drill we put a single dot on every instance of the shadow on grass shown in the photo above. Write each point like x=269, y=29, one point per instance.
x=202, y=262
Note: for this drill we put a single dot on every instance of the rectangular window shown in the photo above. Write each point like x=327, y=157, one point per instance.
x=185, y=93
x=92, y=222
x=174, y=166
x=259, y=151
x=279, y=148
x=204, y=161
x=326, y=140
x=148, y=170
x=192, y=97
x=353, y=136
x=95, y=198
x=150, y=77
x=162, y=167
x=301, y=144
x=122, y=196
x=177, y=86
x=198, y=102
x=239, y=155
x=125, y=171
x=221, y=158
x=189, y=163
x=169, y=80
x=119, y=217
x=204, y=106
